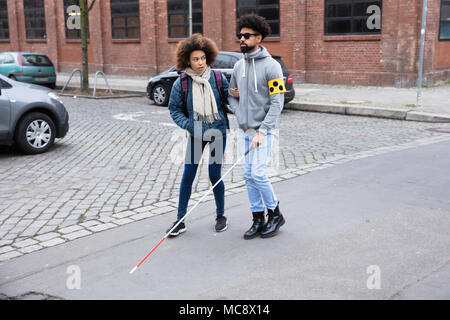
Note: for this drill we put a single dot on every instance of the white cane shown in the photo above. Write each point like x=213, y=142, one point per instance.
x=192, y=209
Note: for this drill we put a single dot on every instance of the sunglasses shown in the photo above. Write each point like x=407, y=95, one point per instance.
x=246, y=35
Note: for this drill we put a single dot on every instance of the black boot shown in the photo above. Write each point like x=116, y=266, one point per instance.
x=274, y=221
x=257, y=226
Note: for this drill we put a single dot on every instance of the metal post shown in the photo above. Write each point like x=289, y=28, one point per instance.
x=190, y=18
x=422, y=45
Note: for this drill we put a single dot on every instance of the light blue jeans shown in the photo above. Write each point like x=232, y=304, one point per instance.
x=259, y=188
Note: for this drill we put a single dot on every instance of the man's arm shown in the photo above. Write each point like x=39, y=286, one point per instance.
x=232, y=101
x=276, y=94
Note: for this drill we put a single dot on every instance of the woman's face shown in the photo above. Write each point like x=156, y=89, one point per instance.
x=197, y=60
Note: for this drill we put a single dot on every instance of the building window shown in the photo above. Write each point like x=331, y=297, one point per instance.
x=178, y=17
x=344, y=17
x=73, y=33
x=34, y=11
x=4, y=26
x=269, y=9
x=125, y=22
x=444, y=26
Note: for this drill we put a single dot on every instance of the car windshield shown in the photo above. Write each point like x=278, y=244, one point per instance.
x=36, y=60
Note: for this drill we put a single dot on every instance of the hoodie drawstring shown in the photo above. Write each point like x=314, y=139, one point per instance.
x=254, y=72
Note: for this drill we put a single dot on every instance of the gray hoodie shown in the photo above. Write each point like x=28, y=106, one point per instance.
x=256, y=108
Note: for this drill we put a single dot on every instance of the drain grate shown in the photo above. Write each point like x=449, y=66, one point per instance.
x=439, y=130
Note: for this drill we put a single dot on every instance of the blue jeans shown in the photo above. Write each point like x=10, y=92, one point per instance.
x=259, y=188
x=194, y=151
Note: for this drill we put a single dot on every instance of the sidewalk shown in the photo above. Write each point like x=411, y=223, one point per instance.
x=382, y=102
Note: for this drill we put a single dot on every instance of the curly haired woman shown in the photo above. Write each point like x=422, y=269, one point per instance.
x=198, y=108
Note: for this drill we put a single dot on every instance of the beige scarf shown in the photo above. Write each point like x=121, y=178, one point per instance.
x=205, y=107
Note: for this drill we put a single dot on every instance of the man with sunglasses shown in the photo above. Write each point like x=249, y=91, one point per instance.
x=256, y=98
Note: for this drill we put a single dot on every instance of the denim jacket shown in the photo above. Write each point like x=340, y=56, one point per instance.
x=178, y=111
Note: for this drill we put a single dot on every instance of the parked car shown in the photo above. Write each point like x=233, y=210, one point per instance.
x=160, y=86
x=28, y=67
x=31, y=116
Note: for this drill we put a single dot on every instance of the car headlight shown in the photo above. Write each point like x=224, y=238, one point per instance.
x=54, y=96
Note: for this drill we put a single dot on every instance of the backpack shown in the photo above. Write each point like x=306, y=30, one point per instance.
x=218, y=78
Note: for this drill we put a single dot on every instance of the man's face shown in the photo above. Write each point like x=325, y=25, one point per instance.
x=252, y=43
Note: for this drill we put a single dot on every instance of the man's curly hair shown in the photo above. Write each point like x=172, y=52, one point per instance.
x=196, y=42
x=256, y=23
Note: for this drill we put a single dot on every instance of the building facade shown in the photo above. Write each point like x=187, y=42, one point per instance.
x=367, y=42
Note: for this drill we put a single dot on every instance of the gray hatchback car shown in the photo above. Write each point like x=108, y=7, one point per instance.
x=31, y=116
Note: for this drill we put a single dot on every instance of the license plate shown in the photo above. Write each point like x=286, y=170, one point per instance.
x=41, y=79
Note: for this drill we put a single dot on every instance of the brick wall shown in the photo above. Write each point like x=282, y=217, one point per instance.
x=387, y=59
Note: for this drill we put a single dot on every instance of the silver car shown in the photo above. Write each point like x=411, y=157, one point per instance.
x=31, y=116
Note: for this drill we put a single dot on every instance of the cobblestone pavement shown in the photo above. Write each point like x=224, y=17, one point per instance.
x=120, y=162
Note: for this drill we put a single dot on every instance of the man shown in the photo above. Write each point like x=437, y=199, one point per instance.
x=257, y=98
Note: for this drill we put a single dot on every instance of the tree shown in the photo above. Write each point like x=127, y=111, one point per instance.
x=84, y=16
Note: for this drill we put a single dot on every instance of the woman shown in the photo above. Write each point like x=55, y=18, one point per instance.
x=196, y=105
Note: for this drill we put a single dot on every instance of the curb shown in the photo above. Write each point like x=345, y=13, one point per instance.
x=101, y=97
x=387, y=113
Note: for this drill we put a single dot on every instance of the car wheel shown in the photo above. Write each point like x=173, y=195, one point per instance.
x=35, y=133
x=160, y=95
x=13, y=77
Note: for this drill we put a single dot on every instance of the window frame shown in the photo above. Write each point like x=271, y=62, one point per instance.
x=440, y=20
x=7, y=22
x=185, y=25
x=29, y=29
x=351, y=18
x=126, y=16
x=264, y=6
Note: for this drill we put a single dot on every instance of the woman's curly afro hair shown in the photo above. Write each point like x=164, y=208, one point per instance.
x=195, y=42
x=256, y=23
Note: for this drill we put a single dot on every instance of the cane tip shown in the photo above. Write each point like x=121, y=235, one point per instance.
x=133, y=270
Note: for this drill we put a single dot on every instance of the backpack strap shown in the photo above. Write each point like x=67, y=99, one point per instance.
x=218, y=77
x=184, y=90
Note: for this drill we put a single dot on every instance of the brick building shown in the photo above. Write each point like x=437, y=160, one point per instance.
x=369, y=42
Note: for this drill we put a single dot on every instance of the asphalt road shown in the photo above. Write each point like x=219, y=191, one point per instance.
x=373, y=228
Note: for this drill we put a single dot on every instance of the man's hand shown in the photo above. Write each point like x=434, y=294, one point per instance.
x=257, y=140
x=234, y=92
